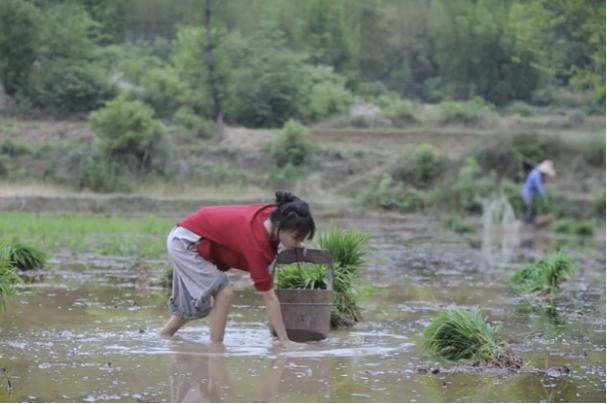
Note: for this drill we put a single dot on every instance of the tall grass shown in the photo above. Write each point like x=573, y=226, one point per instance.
x=8, y=276
x=543, y=276
x=458, y=334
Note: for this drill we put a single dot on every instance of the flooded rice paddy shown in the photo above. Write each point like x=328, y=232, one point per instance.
x=86, y=330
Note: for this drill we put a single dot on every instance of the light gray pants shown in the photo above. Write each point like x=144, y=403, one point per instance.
x=195, y=280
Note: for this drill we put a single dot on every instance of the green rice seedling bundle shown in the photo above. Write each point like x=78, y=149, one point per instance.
x=25, y=257
x=297, y=276
x=544, y=276
x=458, y=334
x=346, y=247
x=8, y=276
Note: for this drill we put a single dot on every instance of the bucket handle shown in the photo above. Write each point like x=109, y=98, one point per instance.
x=313, y=256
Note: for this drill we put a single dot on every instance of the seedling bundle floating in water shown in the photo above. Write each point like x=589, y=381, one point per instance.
x=544, y=276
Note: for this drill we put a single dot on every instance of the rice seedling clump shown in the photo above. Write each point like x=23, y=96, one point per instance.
x=8, y=276
x=544, y=276
x=459, y=334
x=25, y=257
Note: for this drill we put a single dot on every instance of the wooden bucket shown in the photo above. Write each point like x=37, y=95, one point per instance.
x=306, y=312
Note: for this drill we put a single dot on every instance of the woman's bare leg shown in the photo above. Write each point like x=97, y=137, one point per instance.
x=171, y=327
x=219, y=314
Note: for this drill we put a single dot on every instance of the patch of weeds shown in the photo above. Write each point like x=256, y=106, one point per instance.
x=14, y=147
x=468, y=112
x=583, y=228
x=459, y=225
x=543, y=276
x=390, y=195
x=399, y=112
x=521, y=108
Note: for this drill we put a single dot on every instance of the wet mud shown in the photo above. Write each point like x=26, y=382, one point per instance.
x=86, y=330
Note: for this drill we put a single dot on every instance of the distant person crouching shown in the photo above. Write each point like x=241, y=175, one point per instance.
x=534, y=186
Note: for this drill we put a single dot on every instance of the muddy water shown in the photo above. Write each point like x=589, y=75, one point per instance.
x=86, y=331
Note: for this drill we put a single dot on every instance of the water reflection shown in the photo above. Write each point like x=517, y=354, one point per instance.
x=207, y=373
x=198, y=373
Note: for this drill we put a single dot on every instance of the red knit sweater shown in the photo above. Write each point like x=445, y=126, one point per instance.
x=234, y=237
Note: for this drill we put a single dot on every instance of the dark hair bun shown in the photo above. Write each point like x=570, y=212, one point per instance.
x=292, y=214
x=283, y=197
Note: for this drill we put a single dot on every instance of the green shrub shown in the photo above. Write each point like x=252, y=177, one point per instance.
x=520, y=107
x=458, y=334
x=390, y=195
x=195, y=124
x=129, y=135
x=433, y=90
x=400, y=112
x=468, y=112
x=8, y=276
x=24, y=257
x=162, y=90
x=534, y=148
x=500, y=158
x=543, y=276
x=574, y=227
x=293, y=147
x=323, y=93
x=460, y=226
x=66, y=86
x=470, y=186
x=427, y=163
x=14, y=147
x=100, y=175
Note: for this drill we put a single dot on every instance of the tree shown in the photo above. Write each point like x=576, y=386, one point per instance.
x=328, y=37
x=477, y=53
x=19, y=22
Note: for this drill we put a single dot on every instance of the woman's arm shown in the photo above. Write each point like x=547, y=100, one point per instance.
x=274, y=314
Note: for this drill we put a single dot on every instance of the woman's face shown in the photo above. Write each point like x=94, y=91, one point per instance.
x=290, y=239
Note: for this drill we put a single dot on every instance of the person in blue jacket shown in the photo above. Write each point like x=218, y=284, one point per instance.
x=534, y=186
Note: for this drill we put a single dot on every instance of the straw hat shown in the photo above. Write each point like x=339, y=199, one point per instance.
x=546, y=167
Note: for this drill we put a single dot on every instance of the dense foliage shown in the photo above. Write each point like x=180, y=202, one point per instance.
x=302, y=60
